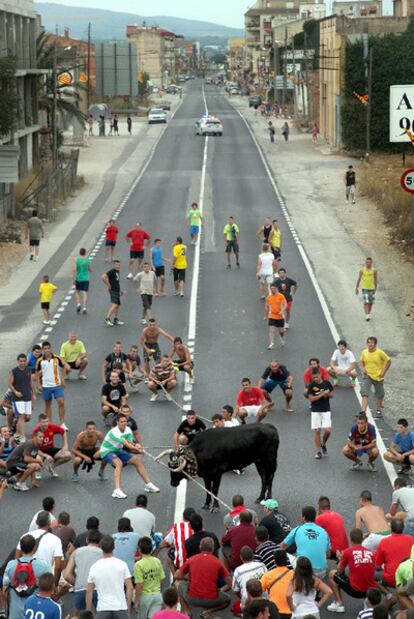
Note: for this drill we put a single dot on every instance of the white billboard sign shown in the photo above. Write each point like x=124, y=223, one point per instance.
x=401, y=112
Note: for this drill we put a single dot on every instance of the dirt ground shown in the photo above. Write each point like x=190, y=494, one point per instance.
x=10, y=255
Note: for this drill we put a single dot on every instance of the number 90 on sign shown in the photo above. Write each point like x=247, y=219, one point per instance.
x=407, y=180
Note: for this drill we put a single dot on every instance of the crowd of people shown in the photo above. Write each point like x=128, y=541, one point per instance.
x=260, y=565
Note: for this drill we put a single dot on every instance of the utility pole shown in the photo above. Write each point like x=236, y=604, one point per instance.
x=54, y=105
x=276, y=67
x=308, y=98
x=295, y=92
x=88, y=70
x=368, y=134
x=284, y=75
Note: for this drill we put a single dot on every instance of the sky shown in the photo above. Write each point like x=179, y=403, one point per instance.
x=225, y=12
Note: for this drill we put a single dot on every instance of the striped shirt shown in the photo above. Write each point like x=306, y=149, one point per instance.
x=114, y=441
x=161, y=372
x=176, y=536
x=265, y=553
x=50, y=370
x=365, y=614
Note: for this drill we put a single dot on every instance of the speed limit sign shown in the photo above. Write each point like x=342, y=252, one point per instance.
x=407, y=180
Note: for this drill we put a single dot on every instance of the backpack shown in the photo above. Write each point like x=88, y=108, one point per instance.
x=24, y=580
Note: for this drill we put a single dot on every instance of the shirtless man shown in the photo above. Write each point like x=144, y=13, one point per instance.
x=373, y=517
x=182, y=358
x=149, y=343
x=85, y=450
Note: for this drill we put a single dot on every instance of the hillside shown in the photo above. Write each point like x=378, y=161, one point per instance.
x=111, y=24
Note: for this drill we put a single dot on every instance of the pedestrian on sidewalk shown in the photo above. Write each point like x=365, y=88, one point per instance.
x=101, y=126
x=111, y=281
x=111, y=125
x=350, y=182
x=285, y=131
x=116, y=125
x=272, y=132
x=129, y=125
x=144, y=283
x=90, y=123
x=374, y=363
x=315, y=132
x=111, y=235
x=34, y=232
x=80, y=279
x=46, y=290
x=368, y=276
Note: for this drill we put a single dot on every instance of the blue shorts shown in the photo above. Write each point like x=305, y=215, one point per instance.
x=361, y=452
x=80, y=599
x=194, y=229
x=270, y=384
x=48, y=393
x=122, y=455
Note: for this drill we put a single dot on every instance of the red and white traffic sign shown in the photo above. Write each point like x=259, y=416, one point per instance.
x=407, y=180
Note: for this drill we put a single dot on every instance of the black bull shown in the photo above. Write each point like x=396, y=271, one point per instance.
x=218, y=450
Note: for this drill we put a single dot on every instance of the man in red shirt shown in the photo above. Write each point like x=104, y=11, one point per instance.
x=333, y=524
x=314, y=363
x=393, y=550
x=361, y=573
x=251, y=402
x=136, y=238
x=204, y=571
x=60, y=455
x=237, y=537
x=111, y=235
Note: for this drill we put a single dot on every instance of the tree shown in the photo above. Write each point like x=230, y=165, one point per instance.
x=9, y=102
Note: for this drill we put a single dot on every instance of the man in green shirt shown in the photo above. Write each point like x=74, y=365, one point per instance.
x=231, y=241
x=80, y=279
x=113, y=451
x=195, y=221
x=148, y=575
x=73, y=351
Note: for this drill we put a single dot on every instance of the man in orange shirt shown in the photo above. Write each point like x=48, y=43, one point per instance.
x=275, y=583
x=275, y=306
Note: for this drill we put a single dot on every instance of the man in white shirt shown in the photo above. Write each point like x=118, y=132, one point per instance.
x=49, y=548
x=266, y=265
x=48, y=505
x=112, y=580
x=142, y=520
x=144, y=283
x=247, y=570
x=342, y=363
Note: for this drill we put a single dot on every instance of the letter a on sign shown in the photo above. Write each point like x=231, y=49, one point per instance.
x=401, y=112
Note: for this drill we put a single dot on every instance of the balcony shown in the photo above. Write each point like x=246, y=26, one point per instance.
x=253, y=25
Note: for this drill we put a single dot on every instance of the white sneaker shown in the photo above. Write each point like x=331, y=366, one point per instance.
x=143, y=321
x=191, y=380
x=154, y=397
x=282, y=341
x=130, y=276
x=46, y=322
x=150, y=487
x=38, y=475
x=82, y=377
x=368, y=317
x=271, y=346
x=286, y=325
x=64, y=427
x=21, y=487
x=118, y=494
x=336, y=607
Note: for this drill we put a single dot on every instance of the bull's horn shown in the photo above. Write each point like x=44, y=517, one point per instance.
x=181, y=467
x=162, y=454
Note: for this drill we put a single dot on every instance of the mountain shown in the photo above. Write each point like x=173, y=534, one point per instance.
x=111, y=24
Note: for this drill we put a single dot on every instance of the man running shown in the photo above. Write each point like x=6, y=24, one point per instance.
x=182, y=358
x=362, y=439
x=250, y=402
x=136, y=239
x=374, y=363
x=85, y=450
x=73, y=352
x=350, y=182
x=195, y=221
x=144, y=283
x=231, y=241
x=275, y=241
x=263, y=232
x=111, y=281
x=80, y=279
x=50, y=378
x=21, y=384
x=113, y=450
x=368, y=278
x=34, y=232
x=265, y=270
x=276, y=375
x=162, y=377
x=149, y=342
x=157, y=262
x=319, y=393
x=179, y=265
x=275, y=306
x=343, y=363
x=288, y=288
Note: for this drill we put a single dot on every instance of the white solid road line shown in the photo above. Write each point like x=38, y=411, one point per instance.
x=389, y=468
x=181, y=494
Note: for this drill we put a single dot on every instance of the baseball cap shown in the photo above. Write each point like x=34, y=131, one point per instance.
x=270, y=504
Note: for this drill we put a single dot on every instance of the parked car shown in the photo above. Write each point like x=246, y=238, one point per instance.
x=157, y=115
x=164, y=104
x=255, y=100
x=209, y=126
x=172, y=89
x=234, y=91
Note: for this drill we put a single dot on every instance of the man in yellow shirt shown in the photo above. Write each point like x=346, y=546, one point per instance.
x=368, y=278
x=374, y=363
x=179, y=265
x=46, y=290
x=74, y=353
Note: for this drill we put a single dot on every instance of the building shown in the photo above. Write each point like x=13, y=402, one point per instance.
x=236, y=57
x=77, y=53
x=19, y=27
x=403, y=8
x=156, y=49
x=335, y=31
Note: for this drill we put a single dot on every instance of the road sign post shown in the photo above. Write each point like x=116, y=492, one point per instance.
x=407, y=183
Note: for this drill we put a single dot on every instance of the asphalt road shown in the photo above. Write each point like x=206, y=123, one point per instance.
x=231, y=338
